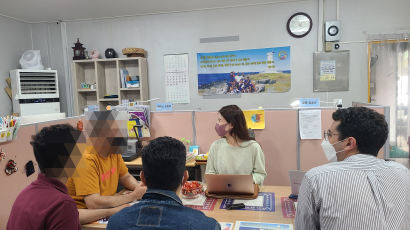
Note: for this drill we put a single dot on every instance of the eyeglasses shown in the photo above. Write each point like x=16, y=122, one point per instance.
x=328, y=134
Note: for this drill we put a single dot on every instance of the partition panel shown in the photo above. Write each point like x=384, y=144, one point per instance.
x=173, y=124
x=278, y=141
x=71, y=121
x=311, y=153
x=21, y=152
x=205, y=130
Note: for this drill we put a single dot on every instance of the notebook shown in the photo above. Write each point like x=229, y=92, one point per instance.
x=295, y=178
x=229, y=184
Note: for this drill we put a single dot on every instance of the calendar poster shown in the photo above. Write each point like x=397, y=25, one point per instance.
x=176, y=78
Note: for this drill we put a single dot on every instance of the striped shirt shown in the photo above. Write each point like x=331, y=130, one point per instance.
x=361, y=192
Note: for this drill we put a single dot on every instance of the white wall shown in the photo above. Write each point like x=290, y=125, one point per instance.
x=47, y=38
x=15, y=38
x=258, y=27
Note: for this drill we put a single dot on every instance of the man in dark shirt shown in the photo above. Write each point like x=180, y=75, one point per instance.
x=45, y=204
x=163, y=162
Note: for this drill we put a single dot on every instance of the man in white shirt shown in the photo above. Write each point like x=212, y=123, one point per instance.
x=359, y=191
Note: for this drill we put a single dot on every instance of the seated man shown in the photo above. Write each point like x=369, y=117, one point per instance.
x=45, y=203
x=163, y=162
x=94, y=184
x=359, y=191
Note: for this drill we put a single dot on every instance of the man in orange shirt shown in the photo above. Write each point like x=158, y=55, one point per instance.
x=94, y=184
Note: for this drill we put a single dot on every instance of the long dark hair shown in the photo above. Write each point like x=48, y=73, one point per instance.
x=234, y=115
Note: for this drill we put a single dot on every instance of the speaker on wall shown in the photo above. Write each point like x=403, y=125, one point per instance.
x=332, y=31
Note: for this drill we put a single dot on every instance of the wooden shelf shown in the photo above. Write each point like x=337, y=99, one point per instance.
x=105, y=73
x=130, y=89
x=109, y=99
x=86, y=90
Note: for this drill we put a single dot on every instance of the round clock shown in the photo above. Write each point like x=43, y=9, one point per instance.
x=299, y=25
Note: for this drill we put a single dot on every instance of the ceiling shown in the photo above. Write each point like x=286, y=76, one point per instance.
x=73, y=10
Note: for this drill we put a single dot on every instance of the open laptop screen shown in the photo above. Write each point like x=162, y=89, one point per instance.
x=296, y=178
x=229, y=184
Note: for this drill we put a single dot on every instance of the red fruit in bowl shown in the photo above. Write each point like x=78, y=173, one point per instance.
x=191, y=189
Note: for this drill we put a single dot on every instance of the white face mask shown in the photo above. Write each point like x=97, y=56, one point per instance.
x=330, y=151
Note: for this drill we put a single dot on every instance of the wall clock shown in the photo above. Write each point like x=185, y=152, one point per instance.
x=299, y=25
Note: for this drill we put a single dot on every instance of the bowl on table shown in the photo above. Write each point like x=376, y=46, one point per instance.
x=192, y=189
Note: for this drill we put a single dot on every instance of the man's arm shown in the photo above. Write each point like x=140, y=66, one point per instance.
x=306, y=216
x=129, y=182
x=90, y=215
x=96, y=201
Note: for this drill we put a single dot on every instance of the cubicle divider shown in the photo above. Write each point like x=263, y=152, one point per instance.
x=21, y=152
x=11, y=186
x=174, y=124
x=311, y=153
x=279, y=140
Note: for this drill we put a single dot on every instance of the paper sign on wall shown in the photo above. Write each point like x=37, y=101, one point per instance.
x=327, y=70
x=255, y=119
x=310, y=124
x=309, y=102
x=164, y=107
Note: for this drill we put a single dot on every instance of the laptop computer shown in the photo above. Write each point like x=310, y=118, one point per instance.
x=229, y=184
x=295, y=177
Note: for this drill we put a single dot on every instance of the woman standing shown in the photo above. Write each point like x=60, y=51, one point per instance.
x=235, y=152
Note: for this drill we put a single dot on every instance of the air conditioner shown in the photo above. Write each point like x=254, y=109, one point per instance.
x=34, y=91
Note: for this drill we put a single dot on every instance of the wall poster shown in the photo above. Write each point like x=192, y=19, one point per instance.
x=244, y=71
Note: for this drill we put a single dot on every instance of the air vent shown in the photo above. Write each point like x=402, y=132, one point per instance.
x=38, y=83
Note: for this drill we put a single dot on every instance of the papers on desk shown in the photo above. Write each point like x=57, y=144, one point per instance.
x=245, y=225
x=103, y=221
x=288, y=207
x=134, y=202
x=200, y=200
x=258, y=202
x=226, y=226
x=310, y=124
x=264, y=202
x=200, y=203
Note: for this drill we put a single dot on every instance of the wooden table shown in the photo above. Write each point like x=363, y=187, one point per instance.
x=135, y=165
x=223, y=215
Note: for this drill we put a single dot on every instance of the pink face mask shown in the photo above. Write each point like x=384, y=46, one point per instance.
x=220, y=129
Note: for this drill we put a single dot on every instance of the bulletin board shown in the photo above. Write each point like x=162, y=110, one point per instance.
x=331, y=71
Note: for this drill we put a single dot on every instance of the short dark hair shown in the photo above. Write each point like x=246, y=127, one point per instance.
x=234, y=115
x=53, y=147
x=368, y=127
x=163, y=163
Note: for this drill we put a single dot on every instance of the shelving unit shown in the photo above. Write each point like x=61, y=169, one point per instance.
x=105, y=73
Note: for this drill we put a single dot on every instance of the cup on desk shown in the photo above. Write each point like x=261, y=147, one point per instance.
x=9, y=133
x=3, y=135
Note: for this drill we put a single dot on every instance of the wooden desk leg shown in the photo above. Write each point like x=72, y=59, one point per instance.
x=198, y=173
